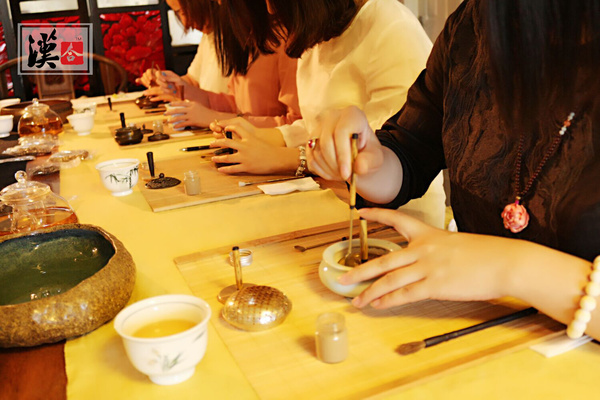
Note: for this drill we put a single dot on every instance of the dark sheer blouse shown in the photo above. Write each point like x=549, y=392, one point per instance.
x=450, y=121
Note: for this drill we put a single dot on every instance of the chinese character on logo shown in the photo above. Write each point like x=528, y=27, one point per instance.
x=71, y=53
x=45, y=46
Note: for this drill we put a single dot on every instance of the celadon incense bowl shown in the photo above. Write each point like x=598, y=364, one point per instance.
x=330, y=268
x=61, y=282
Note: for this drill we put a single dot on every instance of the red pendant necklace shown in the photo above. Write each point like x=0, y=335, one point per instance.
x=515, y=215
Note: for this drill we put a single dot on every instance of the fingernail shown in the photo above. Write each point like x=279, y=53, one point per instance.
x=356, y=302
x=375, y=303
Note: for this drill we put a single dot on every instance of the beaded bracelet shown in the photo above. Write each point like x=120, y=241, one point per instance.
x=302, y=165
x=587, y=304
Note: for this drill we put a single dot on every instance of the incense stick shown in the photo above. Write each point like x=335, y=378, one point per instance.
x=413, y=347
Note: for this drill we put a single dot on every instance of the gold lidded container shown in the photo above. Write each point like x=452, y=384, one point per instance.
x=30, y=205
x=39, y=120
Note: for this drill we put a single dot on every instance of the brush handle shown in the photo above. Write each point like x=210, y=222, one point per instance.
x=432, y=341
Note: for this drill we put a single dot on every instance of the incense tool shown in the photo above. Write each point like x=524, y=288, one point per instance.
x=289, y=178
x=150, y=157
x=349, y=257
x=413, y=347
x=253, y=307
x=196, y=148
x=236, y=260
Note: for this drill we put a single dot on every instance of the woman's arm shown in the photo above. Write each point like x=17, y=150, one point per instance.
x=443, y=265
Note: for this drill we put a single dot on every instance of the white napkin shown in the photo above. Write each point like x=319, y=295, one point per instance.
x=301, y=185
x=558, y=345
x=182, y=134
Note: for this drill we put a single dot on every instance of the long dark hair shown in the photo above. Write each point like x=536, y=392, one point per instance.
x=198, y=14
x=233, y=56
x=543, y=54
x=300, y=24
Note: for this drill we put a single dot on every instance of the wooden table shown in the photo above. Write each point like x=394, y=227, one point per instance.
x=96, y=365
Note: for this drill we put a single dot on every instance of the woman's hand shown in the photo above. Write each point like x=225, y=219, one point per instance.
x=218, y=127
x=437, y=264
x=331, y=158
x=148, y=78
x=191, y=113
x=254, y=155
x=164, y=86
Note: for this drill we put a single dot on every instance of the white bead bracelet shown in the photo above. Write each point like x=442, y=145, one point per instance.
x=587, y=304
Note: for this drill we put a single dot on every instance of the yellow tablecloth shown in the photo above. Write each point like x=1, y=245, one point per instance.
x=97, y=367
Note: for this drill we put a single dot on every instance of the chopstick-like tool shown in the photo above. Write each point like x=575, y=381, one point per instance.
x=413, y=347
x=364, y=245
x=352, y=195
x=109, y=103
x=180, y=89
x=196, y=148
x=289, y=178
x=122, y=116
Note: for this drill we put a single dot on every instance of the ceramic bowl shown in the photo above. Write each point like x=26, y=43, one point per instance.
x=9, y=102
x=330, y=269
x=82, y=122
x=165, y=337
x=6, y=125
x=169, y=107
x=61, y=282
x=119, y=175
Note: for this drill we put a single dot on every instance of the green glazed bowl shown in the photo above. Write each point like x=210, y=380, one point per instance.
x=61, y=282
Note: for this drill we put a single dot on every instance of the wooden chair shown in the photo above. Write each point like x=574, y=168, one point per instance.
x=113, y=79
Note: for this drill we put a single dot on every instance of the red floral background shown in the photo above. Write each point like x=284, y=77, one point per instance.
x=4, y=58
x=134, y=40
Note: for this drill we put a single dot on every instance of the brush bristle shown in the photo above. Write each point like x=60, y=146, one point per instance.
x=410, y=348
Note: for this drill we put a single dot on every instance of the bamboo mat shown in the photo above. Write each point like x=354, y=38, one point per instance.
x=281, y=362
x=214, y=185
x=131, y=110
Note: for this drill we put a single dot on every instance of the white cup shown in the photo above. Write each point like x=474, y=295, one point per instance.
x=82, y=123
x=169, y=107
x=119, y=175
x=83, y=105
x=6, y=125
x=170, y=359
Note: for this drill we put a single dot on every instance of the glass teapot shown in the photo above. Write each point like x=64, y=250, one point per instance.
x=39, y=120
x=29, y=206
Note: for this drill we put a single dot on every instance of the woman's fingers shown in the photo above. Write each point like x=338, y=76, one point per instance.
x=319, y=166
x=410, y=293
x=378, y=266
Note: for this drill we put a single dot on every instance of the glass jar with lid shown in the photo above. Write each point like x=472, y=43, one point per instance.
x=39, y=120
x=28, y=206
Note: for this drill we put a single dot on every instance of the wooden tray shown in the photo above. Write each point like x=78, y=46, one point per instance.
x=214, y=185
x=103, y=112
x=281, y=362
